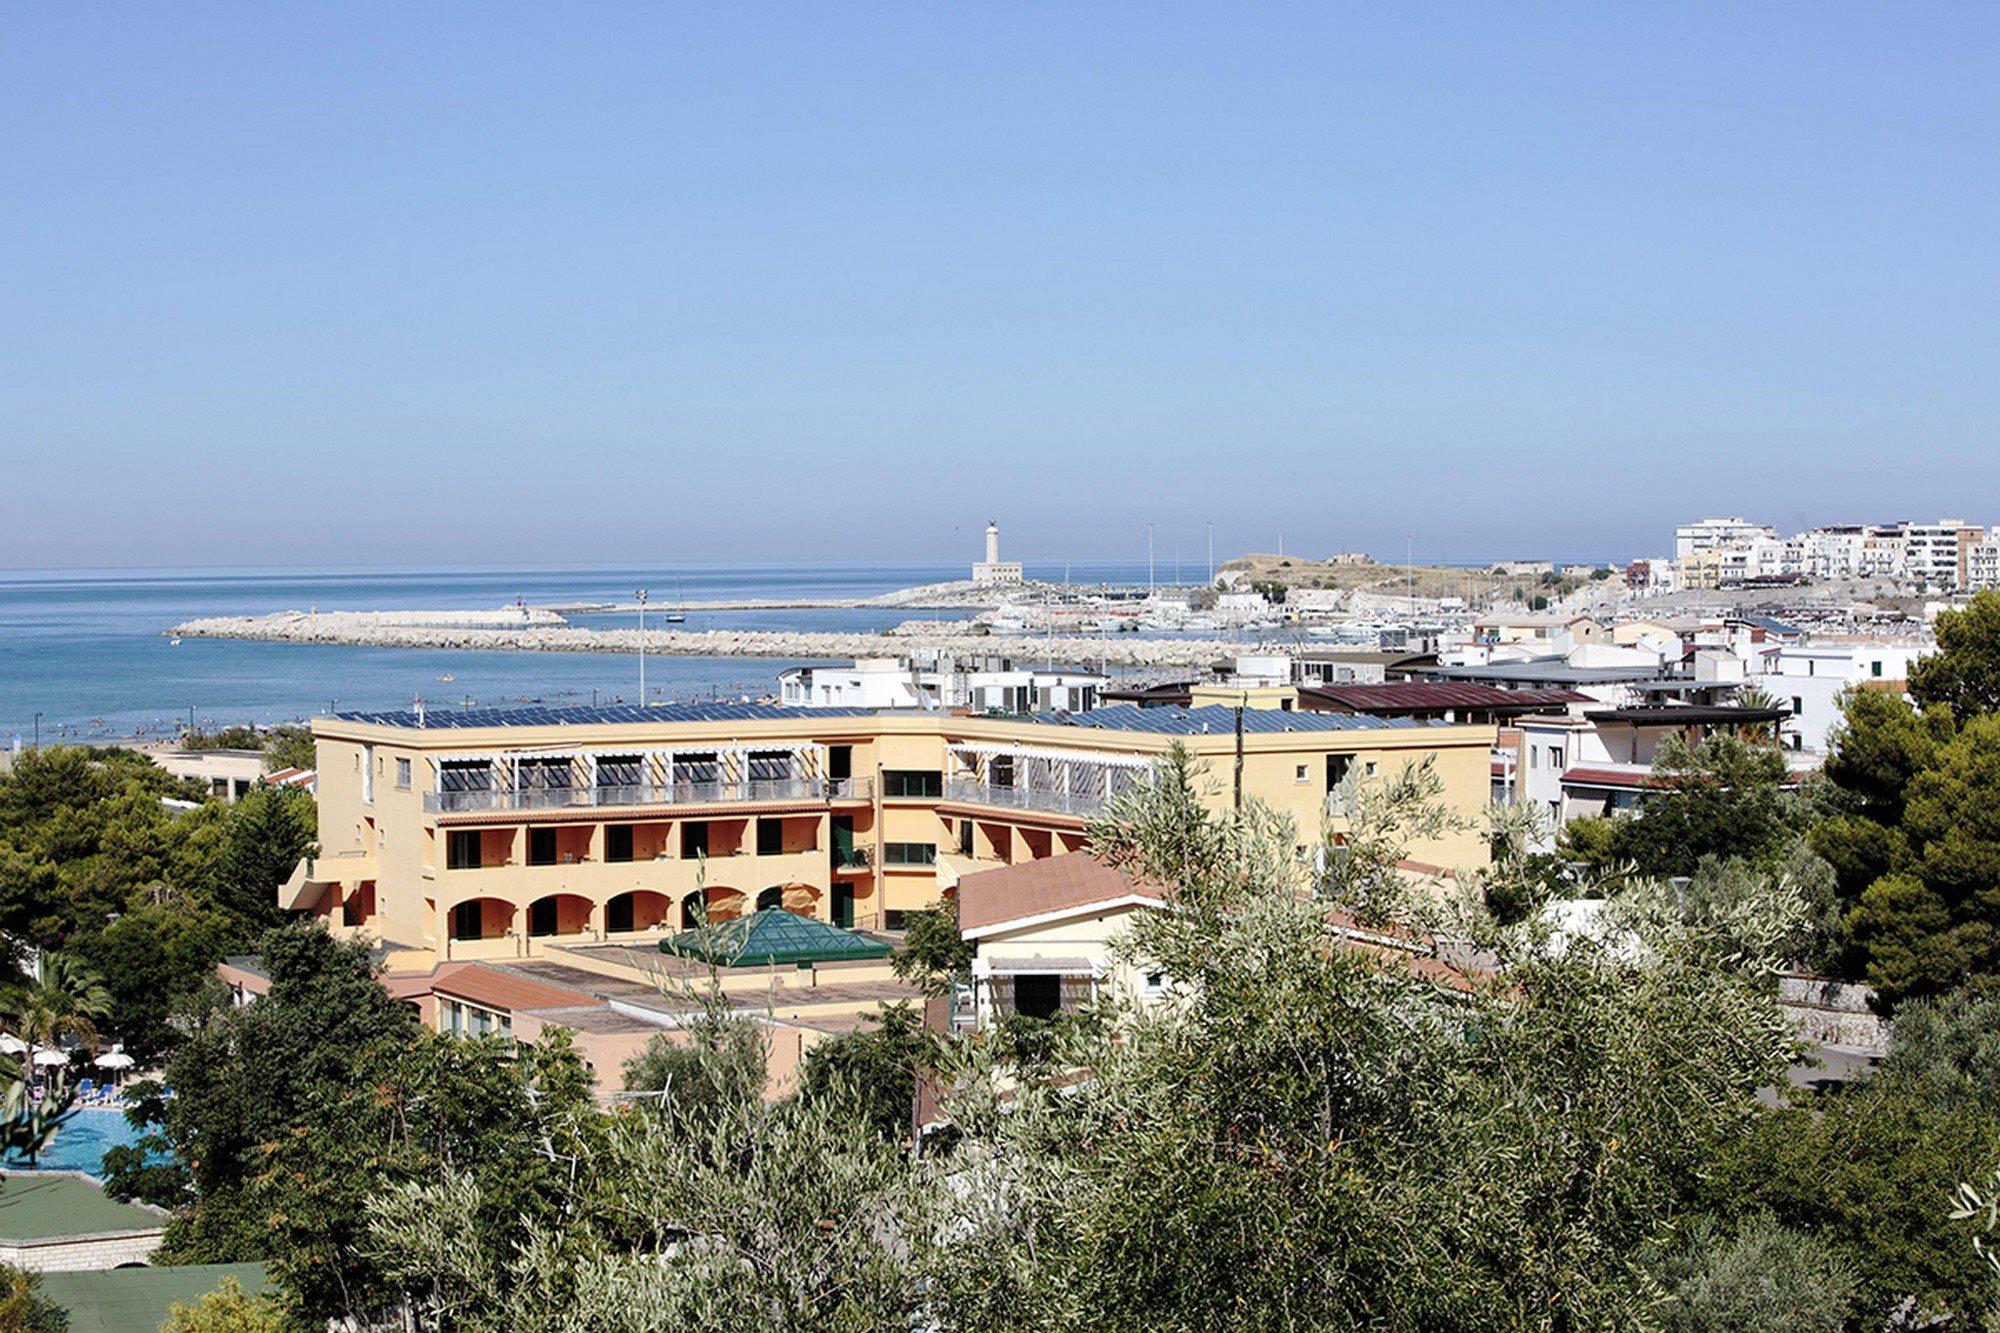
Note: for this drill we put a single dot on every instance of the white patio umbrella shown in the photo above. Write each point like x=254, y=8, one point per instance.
x=12, y=1044
x=48, y=1059
x=115, y=1060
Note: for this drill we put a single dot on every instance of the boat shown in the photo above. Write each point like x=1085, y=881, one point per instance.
x=674, y=618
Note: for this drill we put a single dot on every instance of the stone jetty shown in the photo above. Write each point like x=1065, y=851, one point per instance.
x=372, y=629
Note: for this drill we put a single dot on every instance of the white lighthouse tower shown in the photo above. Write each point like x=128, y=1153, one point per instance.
x=993, y=569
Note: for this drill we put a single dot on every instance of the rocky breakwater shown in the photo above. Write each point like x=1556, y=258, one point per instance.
x=437, y=630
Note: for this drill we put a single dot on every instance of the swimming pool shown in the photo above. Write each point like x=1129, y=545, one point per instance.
x=82, y=1140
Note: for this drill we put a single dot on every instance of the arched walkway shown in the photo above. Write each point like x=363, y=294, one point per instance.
x=481, y=919
x=559, y=914
x=726, y=904
x=641, y=909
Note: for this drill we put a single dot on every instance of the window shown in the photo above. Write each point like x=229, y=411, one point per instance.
x=541, y=846
x=1337, y=768
x=1156, y=985
x=965, y=837
x=1875, y=668
x=367, y=775
x=694, y=839
x=892, y=919
x=456, y=775
x=461, y=849
x=1038, y=995
x=1555, y=756
x=1301, y=773
x=1798, y=705
x=909, y=853
x=402, y=775
x=618, y=843
x=911, y=782
x=770, y=837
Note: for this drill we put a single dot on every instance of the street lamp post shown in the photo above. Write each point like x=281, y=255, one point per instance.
x=641, y=594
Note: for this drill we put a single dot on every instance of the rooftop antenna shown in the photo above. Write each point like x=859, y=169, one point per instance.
x=418, y=704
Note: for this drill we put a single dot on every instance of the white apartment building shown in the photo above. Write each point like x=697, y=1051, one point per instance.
x=1810, y=679
x=1982, y=564
x=1935, y=554
x=1711, y=534
x=983, y=684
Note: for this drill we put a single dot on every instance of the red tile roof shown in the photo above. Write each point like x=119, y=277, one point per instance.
x=503, y=991
x=1036, y=888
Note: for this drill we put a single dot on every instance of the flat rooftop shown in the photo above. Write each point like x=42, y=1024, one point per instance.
x=48, y=1206
x=1172, y=720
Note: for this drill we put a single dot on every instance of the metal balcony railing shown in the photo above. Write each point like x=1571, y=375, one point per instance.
x=972, y=792
x=646, y=793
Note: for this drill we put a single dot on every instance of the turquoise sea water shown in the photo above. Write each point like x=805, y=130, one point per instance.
x=84, y=649
x=82, y=1140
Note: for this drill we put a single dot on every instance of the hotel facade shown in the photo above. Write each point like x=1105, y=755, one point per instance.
x=502, y=834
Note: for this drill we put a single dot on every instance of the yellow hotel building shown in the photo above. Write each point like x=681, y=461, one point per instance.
x=499, y=834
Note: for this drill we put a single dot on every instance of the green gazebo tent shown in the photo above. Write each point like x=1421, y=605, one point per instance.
x=773, y=936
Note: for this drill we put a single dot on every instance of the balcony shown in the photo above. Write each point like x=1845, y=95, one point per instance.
x=648, y=794
x=1080, y=805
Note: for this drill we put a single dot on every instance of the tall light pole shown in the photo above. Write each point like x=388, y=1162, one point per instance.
x=1149, y=559
x=641, y=595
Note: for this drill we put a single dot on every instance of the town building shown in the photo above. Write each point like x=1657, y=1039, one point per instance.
x=1812, y=681
x=506, y=834
x=1715, y=534
x=982, y=683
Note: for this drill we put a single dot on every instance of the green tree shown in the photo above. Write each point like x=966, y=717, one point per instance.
x=227, y=1309
x=871, y=1073
x=934, y=955
x=64, y=1004
x=270, y=829
x=1719, y=797
x=1963, y=675
x=1758, y=1278
x=23, y=1308
x=289, y=747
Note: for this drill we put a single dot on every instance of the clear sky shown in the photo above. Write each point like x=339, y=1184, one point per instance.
x=549, y=282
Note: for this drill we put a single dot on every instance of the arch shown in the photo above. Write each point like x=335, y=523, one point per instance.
x=640, y=909
x=480, y=919
x=559, y=914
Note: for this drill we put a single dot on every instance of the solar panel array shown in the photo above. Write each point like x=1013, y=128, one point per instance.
x=595, y=715
x=1210, y=719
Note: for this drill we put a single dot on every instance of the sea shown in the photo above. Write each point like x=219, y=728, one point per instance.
x=84, y=656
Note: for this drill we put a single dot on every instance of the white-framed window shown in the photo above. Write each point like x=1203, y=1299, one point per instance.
x=367, y=775
x=1299, y=774
x=1156, y=985
x=402, y=775
x=1555, y=756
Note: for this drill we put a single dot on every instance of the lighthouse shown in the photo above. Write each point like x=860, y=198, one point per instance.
x=993, y=569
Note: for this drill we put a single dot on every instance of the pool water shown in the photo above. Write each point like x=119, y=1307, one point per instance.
x=82, y=1140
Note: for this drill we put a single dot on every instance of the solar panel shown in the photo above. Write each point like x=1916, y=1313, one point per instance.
x=1210, y=719
x=593, y=715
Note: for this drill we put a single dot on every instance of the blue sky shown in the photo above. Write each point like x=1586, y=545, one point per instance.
x=512, y=283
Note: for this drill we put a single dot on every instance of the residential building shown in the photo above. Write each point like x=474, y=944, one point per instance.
x=987, y=684
x=1715, y=534
x=507, y=834
x=1936, y=556
x=1600, y=761
x=1811, y=680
